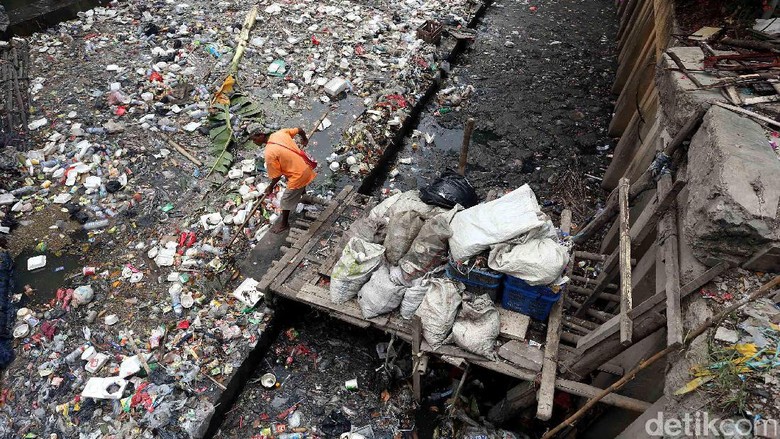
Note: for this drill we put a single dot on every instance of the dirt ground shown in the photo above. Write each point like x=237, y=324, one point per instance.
x=541, y=77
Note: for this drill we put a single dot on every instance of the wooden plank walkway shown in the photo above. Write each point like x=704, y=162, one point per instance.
x=302, y=275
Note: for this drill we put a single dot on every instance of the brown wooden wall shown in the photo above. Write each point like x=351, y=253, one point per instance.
x=643, y=35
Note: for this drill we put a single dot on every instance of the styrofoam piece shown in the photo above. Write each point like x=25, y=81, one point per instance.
x=247, y=292
x=36, y=262
x=104, y=388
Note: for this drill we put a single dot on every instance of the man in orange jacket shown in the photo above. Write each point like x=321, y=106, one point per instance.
x=283, y=157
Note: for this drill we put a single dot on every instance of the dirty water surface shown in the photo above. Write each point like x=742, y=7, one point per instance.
x=44, y=281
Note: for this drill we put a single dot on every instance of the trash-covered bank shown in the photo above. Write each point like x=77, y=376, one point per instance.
x=141, y=73
x=123, y=163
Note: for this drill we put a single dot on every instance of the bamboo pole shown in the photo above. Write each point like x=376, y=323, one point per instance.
x=763, y=291
x=243, y=39
x=464, y=147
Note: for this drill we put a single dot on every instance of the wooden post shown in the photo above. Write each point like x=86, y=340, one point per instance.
x=667, y=237
x=550, y=364
x=626, y=326
x=416, y=342
x=464, y=147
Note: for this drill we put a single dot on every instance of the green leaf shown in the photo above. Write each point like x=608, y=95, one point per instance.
x=221, y=116
x=223, y=138
x=227, y=156
x=239, y=100
x=216, y=132
x=249, y=109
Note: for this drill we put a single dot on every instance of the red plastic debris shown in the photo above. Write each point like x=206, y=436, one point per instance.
x=184, y=324
x=714, y=295
x=360, y=50
x=314, y=40
x=120, y=111
x=155, y=77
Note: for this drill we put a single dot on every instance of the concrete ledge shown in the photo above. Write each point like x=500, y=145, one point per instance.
x=734, y=189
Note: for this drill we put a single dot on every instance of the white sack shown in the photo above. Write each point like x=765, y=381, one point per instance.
x=413, y=297
x=358, y=259
x=379, y=295
x=401, y=231
x=410, y=201
x=477, y=228
x=477, y=326
x=379, y=212
x=429, y=248
x=537, y=258
x=438, y=310
x=368, y=229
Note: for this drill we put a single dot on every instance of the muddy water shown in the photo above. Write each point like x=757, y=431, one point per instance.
x=44, y=281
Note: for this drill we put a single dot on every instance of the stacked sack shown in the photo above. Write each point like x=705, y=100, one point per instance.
x=394, y=254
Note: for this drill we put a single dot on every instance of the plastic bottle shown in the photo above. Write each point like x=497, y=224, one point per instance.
x=176, y=303
x=96, y=130
x=76, y=354
x=99, y=224
x=213, y=51
x=290, y=436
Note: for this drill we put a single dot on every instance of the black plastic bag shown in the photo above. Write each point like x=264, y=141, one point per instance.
x=448, y=190
x=335, y=424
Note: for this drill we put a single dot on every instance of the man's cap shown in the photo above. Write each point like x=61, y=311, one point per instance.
x=261, y=128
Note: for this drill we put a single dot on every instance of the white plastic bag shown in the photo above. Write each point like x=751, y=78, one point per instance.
x=477, y=326
x=477, y=228
x=438, y=310
x=358, y=259
x=537, y=258
x=429, y=248
x=379, y=295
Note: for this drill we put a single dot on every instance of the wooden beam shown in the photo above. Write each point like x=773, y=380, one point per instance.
x=608, y=272
x=647, y=221
x=626, y=325
x=416, y=341
x=585, y=390
x=587, y=292
x=550, y=364
x=588, y=281
x=613, y=325
x=643, y=183
x=667, y=239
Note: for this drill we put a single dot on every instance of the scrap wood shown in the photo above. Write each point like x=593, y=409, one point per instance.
x=626, y=303
x=763, y=291
x=750, y=44
x=684, y=69
x=184, y=152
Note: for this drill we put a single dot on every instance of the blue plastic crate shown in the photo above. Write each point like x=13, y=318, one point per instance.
x=478, y=281
x=533, y=301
